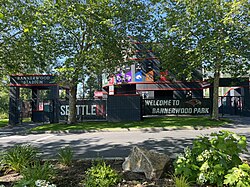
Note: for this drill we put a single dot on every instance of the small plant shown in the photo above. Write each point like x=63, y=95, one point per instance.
x=65, y=156
x=19, y=157
x=180, y=181
x=101, y=175
x=211, y=157
x=238, y=176
x=36, y=172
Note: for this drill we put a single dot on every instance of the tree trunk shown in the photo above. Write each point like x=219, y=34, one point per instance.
x=72, y=104
x=215, y=112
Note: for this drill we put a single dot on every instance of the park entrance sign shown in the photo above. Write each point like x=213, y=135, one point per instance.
x=41, y=110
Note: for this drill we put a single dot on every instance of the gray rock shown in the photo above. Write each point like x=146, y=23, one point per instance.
x=151, y=163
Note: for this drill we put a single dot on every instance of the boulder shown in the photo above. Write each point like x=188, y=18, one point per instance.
x=151, y=163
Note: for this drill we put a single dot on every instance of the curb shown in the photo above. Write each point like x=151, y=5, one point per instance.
x=120, y=130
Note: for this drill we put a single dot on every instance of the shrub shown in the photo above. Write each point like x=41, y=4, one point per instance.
x=65, y=156
x=238, y=176
x=211, y=157
x=36, y=172
x=19, y=157
x=101, y=175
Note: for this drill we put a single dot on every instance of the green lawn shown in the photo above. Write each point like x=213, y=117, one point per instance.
x=3, y=122
x=146, y=123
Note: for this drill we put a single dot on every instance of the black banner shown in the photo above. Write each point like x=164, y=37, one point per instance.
x=176, y=107
x=85, y=110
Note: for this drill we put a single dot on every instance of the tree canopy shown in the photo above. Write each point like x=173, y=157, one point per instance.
x=19, y=50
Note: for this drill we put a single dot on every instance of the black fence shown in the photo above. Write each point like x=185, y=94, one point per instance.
x=232, y=105
x=120, y=108
x=124, y=108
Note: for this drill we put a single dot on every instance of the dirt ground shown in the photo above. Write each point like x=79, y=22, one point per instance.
x=74, y=175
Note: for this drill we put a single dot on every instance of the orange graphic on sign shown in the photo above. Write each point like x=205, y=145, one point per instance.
x=150, y=76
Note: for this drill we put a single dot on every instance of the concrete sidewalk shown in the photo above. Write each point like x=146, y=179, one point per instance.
x=18, y=129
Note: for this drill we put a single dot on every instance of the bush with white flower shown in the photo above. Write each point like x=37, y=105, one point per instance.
x=44, y=183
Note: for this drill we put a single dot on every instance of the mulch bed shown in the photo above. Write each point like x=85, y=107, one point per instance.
x=74, y=175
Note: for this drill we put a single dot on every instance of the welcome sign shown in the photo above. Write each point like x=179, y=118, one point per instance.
x=174, y=106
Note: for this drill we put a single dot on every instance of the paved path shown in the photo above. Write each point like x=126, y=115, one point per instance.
x=116, y=144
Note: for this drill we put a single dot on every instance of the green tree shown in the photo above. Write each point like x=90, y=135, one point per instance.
x=212, y=35
x=86, y=37
x=19, y=51
x=4, y=99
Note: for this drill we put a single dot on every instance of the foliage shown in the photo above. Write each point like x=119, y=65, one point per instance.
x=3, y=122
x=4, y=115
x=204, y=34
x=238, y=176
x=18, y=49
x=92, y=84
x=19, y=157
x=101, y=175
x=37, y=171
x=211, y=157
x=181, y=181
x=4, y=100
x=65, y=156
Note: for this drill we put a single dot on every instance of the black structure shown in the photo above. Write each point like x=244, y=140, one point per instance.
x=237, y=100
x=40, y=109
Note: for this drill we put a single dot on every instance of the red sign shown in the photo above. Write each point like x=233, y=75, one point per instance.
x=98, y=93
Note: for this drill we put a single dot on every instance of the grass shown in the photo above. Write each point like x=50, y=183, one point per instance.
x=146, y=123
x=4, y=122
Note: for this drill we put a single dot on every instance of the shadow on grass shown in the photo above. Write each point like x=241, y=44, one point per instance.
x=162, y=122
